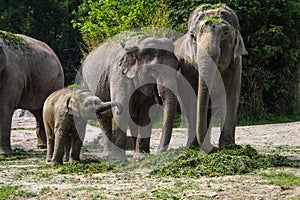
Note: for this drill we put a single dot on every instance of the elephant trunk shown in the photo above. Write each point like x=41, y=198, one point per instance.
x=202, y=105
x=208, y=57
x=170, y=105
x=108, y=105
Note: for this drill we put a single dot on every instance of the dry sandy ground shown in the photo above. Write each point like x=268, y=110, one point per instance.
x=261, y=135
x=138, y=185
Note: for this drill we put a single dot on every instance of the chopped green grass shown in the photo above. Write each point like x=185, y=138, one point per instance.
x=85, y=167
x=11, y=192
x=207, y=6
x=45, y=190
x=20, y=154
x=13, y=40
x=284, y=180
x=232, y=160
x=152, y=162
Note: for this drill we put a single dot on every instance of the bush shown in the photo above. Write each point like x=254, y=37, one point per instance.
x=99, y=20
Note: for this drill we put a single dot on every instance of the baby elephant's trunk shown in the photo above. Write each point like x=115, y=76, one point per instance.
x=108, y=105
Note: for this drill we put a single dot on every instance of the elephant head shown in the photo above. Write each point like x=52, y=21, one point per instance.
x=217, y=33
x=84, y=104
x=150, y=62
x=215, y=45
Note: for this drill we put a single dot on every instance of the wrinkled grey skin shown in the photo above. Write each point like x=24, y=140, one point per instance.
x=27, y=76
x=210, y=59
x=65, y=117
x=147, y=66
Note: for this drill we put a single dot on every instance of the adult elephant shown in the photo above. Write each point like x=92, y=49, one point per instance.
x=135, y=72
x=29, y=72
x=210, y=59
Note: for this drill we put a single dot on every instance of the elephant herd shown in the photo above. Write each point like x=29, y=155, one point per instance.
x=126, y=81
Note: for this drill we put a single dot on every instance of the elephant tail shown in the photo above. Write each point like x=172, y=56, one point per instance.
x=108, y=105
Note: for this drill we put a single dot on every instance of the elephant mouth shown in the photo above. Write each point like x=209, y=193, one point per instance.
x=147, y=90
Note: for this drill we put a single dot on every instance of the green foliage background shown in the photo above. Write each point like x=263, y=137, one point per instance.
x=50, y=22
x=270, y=29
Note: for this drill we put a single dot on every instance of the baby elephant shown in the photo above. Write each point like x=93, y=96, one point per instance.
x=65, y=115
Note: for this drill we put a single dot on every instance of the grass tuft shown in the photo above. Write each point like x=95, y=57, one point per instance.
x=11, y=192
x=284, y=180
x=21, y=154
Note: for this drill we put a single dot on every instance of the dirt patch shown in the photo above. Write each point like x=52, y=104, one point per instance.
x=36, y=180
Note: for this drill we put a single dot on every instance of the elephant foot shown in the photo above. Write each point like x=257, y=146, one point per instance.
x=3, y=156
x=115, y=155
x=48, y=159
x=162, y=149
x=57, y=162
x=73, y=161
x=5, y=152
x=140, y=156
x=210, y=148
x=214, y=149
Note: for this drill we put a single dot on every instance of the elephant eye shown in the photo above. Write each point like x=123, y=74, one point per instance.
x=162, y=52
x=148, y=51
x=88, y=103
x=193, y=35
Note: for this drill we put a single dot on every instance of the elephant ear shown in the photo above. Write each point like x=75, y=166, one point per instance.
x=129, y=62
x=72, y=107
x=239, y=48
x=3, y=58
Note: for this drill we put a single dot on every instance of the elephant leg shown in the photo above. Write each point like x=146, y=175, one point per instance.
x=75, y=148
x=77, y=140
x=232, y=89
x=142, y=143
x=105, y=124
x=5, y=130
x=59, y=144
x=68, y=147
x=50, y=148
x=40, y=129
x=228, y=131
x=50, y=140
x=121, y=93
x=131, y=140
x=119, y=136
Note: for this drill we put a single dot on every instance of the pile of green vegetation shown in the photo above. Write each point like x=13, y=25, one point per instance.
x=86, y=167
x=232, y=160
x=152, y=162
x=13, y=40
